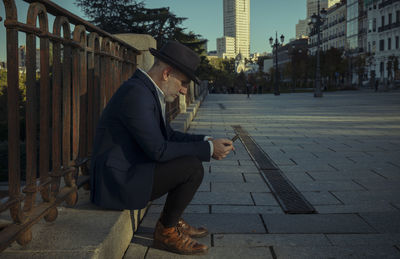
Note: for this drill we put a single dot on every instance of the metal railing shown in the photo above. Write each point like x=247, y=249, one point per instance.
x=86, y=67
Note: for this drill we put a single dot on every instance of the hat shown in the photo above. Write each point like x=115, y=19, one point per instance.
x=179, y=56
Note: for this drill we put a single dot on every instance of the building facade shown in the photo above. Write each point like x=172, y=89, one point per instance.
x=22, y=58
x=226, y=47
x=237, y=26
x=334, y=29
x=383, y=37
x=352, y=24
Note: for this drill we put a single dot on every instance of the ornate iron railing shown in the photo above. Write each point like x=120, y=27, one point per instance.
x=86, y=67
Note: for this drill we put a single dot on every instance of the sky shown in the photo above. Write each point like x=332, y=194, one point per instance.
x=204, y=17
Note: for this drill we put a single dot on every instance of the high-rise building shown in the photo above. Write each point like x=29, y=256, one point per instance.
x=333, y=2
x=237, y=26
x=301, y=29
x=312, y=6
x=226, y=47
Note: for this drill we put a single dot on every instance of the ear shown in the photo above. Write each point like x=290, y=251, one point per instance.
x=166, y=73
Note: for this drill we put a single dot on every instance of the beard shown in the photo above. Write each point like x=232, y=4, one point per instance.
x=169, y=98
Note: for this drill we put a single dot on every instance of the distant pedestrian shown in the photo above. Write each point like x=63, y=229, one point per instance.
x=248, y=89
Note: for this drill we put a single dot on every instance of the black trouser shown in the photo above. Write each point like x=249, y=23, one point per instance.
x=180, y=178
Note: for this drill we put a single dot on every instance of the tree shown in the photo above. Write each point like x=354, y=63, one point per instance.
x=131, y=16
x=332, y=65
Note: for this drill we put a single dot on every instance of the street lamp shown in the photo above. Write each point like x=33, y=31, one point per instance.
x=317, y=20
x=275, y=46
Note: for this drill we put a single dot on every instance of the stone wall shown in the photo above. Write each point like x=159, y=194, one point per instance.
x=141, y=42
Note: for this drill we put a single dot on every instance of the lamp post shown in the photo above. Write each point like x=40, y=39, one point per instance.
x=317, y=20
x=275, y=46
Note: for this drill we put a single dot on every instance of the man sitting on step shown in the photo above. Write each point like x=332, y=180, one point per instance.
x=137, y=157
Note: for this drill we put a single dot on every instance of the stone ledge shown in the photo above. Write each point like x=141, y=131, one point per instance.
x=182, y=121
x=84, y=231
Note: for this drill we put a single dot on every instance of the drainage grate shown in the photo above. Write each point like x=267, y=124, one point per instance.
x=289, y=198
x=222, y=106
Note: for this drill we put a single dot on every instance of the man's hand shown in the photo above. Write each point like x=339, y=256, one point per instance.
x=222, y=147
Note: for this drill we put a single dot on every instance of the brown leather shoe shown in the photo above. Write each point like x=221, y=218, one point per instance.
x=173, y=240
x=191, y=231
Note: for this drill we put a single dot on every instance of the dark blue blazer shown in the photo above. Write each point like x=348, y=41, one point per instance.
x=131, y=138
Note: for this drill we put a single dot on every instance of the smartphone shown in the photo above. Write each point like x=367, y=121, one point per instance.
x=235, y=137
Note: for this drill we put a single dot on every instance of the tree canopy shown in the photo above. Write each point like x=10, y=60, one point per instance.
x=131, y=16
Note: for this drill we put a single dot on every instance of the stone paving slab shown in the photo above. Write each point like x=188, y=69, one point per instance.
x=228, y=223
x=223, y=177
x=136, y=251
x=157, y=208
x=253, y=178
x=295, y=177
x=206, y=198
x=273, y=209
x=364, y=239
x=366, y=252
x=218, y=253
x=354, y=197
x=262, y=199
x=240, y=187
x=321, y=198
x=316, y=223
x=356, y=208
x=347, y=185
x=388, y=222
x=383, y=184
x=340, y=176
x=231, y=169
x=254, y=240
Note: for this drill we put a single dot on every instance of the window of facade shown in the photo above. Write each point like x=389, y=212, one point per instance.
x=382, y=21
x=390, y=18
x=398, y=16
x=382, y=45
x=397, y=42
x=389, y=43
x=374, y=25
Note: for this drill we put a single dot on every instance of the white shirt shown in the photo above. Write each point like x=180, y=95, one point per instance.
x=161, y=99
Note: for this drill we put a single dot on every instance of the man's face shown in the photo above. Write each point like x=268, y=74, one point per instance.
x=176, y=84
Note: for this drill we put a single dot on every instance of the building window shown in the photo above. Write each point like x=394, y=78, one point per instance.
x=398, y=16
x=382, y=21
x=397, y=42
x=382, y=45
x=382, y=68
x=389, y=43
x=374, y=25
x=390, y=18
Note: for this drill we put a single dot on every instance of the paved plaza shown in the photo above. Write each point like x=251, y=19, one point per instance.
x=342, y=152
